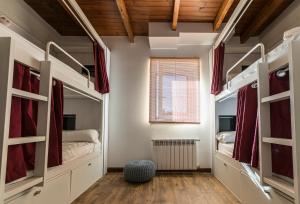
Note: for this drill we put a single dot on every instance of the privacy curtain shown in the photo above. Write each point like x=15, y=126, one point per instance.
x=281, y=127
x=247, y=139
x=216, y=86
x=246, y=123
x=24, y=123
x=101, y=79
x=16, y=167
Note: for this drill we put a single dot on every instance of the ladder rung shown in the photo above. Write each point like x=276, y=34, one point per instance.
x=18, y=187
x=279, y=141
x=28, y=95
x=24, y=140
x=280, y=185
x=276, y=97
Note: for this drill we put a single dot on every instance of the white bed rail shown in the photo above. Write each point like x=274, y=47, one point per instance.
x=47, y=56
x=263, y=58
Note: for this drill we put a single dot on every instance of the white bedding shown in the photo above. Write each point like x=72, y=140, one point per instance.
x=74, y=150
x=226, y=148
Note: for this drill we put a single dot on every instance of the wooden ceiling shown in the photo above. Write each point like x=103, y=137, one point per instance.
x=105, y=16
x=131, y=17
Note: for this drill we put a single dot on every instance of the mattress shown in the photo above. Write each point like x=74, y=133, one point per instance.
x=70, y=152
x=75, y=150
x=226, y=148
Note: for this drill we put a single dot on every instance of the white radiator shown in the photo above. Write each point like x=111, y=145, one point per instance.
x=175, y=154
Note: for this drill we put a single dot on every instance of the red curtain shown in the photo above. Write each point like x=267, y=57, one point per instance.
x=246, y=145
x=56, y=125
x=29, y=116
x=101, y=79
x=16, y=167
x=246, y=123
x=282, y=162
x=24, y=123
x=216, y=86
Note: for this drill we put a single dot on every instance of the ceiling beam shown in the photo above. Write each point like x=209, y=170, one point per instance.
x=225, y=7
x=126, y=21
x=175, y=14
x=265, y=16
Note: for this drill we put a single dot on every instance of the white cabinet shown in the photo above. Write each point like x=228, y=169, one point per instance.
x=56, y=190
x=253, y=194
x=235, y=179
x=228, y=175
x=84, y=176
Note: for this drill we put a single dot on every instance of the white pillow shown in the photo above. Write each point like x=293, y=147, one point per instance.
x=226, y=137
x=90, y=135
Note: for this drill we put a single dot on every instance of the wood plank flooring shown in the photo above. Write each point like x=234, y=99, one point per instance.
x=187, y=188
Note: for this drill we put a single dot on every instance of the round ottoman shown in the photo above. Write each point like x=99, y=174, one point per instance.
x=139, y=171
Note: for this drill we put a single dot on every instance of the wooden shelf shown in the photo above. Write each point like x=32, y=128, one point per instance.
x=24, y=140
x=280, y=185
x=279, y=141
x=276, y=97
x=28, y=95
x=18, y=187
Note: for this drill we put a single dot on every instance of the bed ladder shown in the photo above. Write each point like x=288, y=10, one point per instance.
x=265, y=139
x=7, y=58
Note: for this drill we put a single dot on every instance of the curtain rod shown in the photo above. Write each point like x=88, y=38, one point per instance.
x=78, y=14
x=233, y=20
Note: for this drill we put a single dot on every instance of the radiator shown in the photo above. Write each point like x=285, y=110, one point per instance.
x=177, y=154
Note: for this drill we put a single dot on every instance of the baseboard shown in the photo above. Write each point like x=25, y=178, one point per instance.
x=199, y=170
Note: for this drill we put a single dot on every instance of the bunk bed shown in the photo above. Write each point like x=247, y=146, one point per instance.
x=263, y=186
x=59, y=184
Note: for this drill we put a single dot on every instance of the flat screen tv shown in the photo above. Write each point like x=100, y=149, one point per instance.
x=227, y=123
x=69, y=122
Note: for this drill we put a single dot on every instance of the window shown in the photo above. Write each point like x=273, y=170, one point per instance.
x=174, y=90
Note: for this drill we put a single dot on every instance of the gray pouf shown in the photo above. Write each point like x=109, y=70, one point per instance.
x=139, y=171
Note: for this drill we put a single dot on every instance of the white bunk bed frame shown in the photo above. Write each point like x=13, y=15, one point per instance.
x=15, y=48
x=284, y=55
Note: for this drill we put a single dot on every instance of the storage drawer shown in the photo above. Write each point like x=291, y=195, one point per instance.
x=56, y=190
x=84, y=176
x=251, y=193
x=228, y=175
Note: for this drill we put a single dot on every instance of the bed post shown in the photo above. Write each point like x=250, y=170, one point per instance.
x=43, y=124
x=6, y=78
x=294, y=73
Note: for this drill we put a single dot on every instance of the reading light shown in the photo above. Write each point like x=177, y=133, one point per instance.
x=5, y=21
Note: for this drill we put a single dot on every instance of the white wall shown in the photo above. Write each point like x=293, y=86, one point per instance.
x=130, y=133
x=86, y=110
x=273, y=34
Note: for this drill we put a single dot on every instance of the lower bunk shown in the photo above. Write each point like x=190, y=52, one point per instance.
x=240, y=180
x=82, y=167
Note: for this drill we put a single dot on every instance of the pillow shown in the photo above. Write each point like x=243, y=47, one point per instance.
x=226, y=137
x=90, y=135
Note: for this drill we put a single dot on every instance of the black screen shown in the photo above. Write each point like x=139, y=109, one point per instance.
x=227, y=123
x=69, y=122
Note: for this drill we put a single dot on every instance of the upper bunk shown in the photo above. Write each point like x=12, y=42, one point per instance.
x=276, y=59
x=32, y=56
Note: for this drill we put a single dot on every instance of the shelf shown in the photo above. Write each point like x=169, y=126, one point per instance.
x=281, y=185
x=28, y=95
x=279, y=141
x=18, y=187
x=276, y=97
x=24, y=140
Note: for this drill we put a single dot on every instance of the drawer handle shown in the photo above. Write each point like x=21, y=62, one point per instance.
x=90, y=164
x=37, y=192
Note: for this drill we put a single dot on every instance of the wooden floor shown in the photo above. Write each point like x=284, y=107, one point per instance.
x=164, y=188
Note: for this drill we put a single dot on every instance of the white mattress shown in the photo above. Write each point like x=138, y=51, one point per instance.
x=226, y=148
x=74, y=150
x=70, y=152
